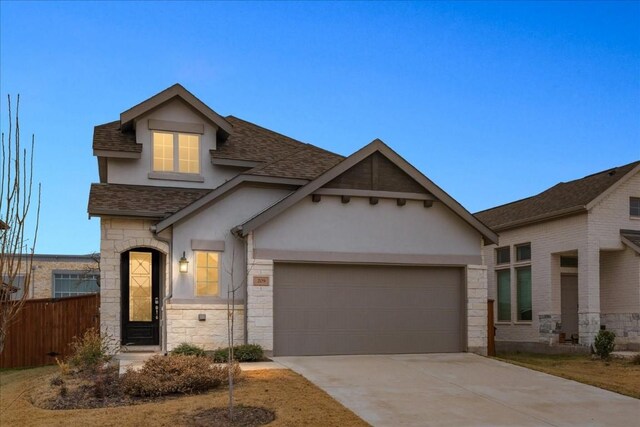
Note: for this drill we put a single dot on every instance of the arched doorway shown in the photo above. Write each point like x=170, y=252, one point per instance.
x=140, y=285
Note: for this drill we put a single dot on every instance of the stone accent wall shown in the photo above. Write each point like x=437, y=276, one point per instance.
x=183, y=325
x=43, y=268
x=119, y=235
x=550, y=327
x=259, y=300
x=626, y=326
x=477, y=309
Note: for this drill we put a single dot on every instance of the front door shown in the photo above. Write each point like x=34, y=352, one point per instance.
x=569, y=304
x=140, y=297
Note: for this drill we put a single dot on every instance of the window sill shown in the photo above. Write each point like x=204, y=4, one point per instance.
x=503, y=322
x=175, y=176
x=524, y=322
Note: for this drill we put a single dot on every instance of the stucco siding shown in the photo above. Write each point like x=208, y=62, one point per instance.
x=214, y=223
x=359, y=227
x=136, y=171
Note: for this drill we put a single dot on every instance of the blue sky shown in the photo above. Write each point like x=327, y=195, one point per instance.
x=492, y=101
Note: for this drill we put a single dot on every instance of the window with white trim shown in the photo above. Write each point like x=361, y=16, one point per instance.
x=176, y=152
x=73, y=284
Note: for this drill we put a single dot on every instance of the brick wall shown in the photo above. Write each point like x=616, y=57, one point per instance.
x=43, y=269
x=259, y=300
x=477, y=309
x=183, y=325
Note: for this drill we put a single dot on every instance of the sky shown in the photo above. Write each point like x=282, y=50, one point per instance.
x=492, y=101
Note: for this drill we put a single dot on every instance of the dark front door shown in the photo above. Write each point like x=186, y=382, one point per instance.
x=140, y=297
x=569, y=304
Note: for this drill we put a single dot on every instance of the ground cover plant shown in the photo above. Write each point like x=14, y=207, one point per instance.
x=293, y=400
x=241, y=353
x=618, y=375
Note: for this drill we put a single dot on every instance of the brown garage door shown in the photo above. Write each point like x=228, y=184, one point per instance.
x=364, y=309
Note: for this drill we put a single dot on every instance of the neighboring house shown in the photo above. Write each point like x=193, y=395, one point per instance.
x=329, y=255
x=568, y=263
x=59, y=276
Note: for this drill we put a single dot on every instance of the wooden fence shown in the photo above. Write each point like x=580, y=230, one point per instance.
x=44, y=328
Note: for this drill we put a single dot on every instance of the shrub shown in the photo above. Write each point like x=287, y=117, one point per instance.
x=241, y=353
x=635, y=360
x=89, y=351
x=176, y=374
x=186, y=349
x=604, y=343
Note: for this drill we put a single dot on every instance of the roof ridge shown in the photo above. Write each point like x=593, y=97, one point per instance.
x=609, y=170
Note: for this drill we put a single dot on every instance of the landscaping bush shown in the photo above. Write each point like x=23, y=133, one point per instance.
x=186, y=349
x=89, y=351
x=604, y=343
x=241, y=353
x=176, y=374
x=635, y=360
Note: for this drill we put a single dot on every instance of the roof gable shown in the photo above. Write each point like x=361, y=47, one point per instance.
x=176, y=91
x=376, y=172
x=565, y=198
x=376, y=147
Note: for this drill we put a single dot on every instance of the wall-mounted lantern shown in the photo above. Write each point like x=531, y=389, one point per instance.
x=184, y=264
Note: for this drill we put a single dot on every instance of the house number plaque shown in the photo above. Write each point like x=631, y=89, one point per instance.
x=260, y=280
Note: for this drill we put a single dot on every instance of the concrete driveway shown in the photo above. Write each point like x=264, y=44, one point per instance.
x=460, y=390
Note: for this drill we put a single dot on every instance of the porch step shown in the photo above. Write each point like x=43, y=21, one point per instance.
x=140, y=349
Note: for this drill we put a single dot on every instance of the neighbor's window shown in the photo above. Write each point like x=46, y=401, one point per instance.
x=634, y=206
x=523, y=280
x=504, y=295
x=523, y=252
x=207, y=283
x=503, y=255
x=176, y=152
x=72, y=284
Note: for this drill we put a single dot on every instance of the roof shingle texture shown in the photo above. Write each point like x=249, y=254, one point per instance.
x=561, y=198
x=109, y=137
x=142, y=200
x=633, y=236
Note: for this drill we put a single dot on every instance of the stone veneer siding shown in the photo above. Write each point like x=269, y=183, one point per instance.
x=183, y=325
x=260, y=304
x=117, y=236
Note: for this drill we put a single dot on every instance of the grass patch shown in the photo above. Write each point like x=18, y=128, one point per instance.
x=618, y=375
x=293, y=399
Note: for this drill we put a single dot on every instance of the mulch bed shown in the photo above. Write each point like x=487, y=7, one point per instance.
x=243, y=416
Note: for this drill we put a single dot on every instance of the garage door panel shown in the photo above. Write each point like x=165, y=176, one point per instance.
x=349, y=309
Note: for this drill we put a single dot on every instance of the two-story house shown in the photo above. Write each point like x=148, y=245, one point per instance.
x=326, y=254
x=568, y=263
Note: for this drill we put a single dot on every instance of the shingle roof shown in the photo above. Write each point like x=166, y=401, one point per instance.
x=561, y=199
x=279, y=155
x=307, y=162
x=109, y=137
x=631, y=238
x=140, y=200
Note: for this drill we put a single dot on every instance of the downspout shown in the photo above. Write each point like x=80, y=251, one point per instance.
x=237, y=233
x=169, y=295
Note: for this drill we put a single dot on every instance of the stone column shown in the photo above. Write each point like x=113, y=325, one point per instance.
x=477, y=309
x=259, y=299
x=588, y=292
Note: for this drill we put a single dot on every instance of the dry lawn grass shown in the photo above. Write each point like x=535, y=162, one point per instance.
x=621, y=376
x=295, y=401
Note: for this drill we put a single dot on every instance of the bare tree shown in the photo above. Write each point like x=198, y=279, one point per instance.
x=16, y=249
x=231, y=311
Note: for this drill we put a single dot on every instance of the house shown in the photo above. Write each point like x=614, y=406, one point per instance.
x=59, y=276
x=568, y=262
x=326, y=254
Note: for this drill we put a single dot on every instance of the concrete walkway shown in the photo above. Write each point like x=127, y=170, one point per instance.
x=460, y=390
